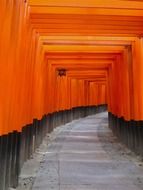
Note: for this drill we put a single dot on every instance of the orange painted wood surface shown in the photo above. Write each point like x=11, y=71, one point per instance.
x=98, y=43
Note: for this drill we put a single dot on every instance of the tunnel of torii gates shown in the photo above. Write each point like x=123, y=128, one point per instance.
x=62, y=60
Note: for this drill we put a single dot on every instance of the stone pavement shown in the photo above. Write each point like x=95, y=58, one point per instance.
x=86, y=156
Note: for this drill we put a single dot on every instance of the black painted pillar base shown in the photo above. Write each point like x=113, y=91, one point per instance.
x=18, y=147
x=128, y=132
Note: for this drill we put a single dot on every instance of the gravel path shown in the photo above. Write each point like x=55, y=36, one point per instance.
x=83, y=155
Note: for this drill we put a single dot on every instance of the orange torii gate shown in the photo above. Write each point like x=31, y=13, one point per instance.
x=98, y=43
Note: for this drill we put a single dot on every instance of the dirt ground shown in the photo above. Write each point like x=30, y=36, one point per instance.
x=82, y=155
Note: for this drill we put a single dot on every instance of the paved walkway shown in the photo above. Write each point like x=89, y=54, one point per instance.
x=86, y=156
